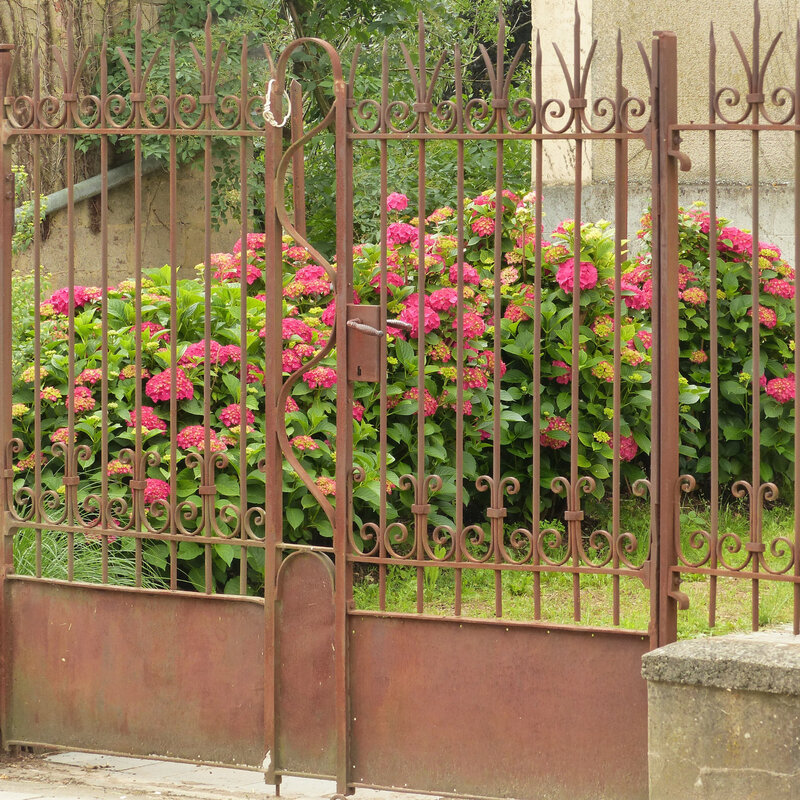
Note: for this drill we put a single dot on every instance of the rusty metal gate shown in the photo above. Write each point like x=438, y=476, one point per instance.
x=348, y=664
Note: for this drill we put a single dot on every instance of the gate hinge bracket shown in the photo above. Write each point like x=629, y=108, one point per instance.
x=676, y=594
x=674, y=150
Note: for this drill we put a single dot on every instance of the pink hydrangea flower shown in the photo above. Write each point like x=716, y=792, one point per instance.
x=149, y=420
x=396, y=202
x=470, y=274
x=155, y=489
x=196, y=353
x=554, y=424
x=400, y=233
x=429, y=402
x=779, y=288
x=483, y=226
x=473, y=327
x=255, y=241
x=62, y=435
x=60, y=299
x=290, y=361
x=326, y=485
x=627, y=448
x=156, y=331
x=320, y=377
x=587, y=275
x=81, y=398
x=294, y=327
x=304, y=443
x=117, y=467
x=158, y=387
x=443, y=299
x=90, y=376
x=695, y=296
x=766, y=316
x=194, y=436
x=410, y=314
x=782, y=389
x=358, y=411
x=291, y=405
x=230, y=416
x=565, y=378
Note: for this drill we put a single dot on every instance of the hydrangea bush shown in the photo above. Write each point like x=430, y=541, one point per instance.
x=309, y=311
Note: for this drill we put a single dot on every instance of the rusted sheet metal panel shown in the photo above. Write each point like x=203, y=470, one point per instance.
x=136, y=672
x=515, y=711
x=305, y=702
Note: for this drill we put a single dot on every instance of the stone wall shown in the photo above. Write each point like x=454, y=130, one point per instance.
x=724, y=718
x=121, y=244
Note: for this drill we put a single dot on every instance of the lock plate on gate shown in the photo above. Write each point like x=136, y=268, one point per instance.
x=363, y=342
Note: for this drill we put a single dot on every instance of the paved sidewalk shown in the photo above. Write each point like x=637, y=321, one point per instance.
x=86, y=776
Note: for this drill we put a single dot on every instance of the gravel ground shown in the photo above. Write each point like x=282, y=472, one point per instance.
x=85, y=776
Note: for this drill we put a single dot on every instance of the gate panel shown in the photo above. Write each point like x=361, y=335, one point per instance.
x=472, y=707
x=136, y=672
x=304, y=653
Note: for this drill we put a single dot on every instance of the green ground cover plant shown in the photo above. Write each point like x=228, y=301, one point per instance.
x=310, y=411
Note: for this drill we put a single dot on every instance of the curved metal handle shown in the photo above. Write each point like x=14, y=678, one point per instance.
x=362, y=327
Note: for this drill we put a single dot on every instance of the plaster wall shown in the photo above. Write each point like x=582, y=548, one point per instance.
x=155, y=216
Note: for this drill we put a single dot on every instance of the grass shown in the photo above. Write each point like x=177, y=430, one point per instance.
x=87, y=560
x=478, y=585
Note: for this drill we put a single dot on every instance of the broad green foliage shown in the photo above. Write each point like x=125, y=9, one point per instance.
x=310, y=412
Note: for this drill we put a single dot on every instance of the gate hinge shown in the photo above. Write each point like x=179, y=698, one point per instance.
x=676, y=594
x=684, y=162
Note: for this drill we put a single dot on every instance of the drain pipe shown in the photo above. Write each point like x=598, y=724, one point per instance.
x=91, y=187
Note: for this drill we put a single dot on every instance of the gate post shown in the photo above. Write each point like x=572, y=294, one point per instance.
x=6, y=473
x=666, y=388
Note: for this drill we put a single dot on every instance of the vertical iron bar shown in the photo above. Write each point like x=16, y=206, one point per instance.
x=796, y=603
x=666, y=435
x=6, y=429
x=713, y=322
x=344, y=425
x=273, y=418
x=459, y=520
x=104, y=520
x=173, y=318
x=536, y=377
x=243, y=465
x=620, y=233
x=37, y=323
x=298, y=159
x=70, y=474
x=384, y=299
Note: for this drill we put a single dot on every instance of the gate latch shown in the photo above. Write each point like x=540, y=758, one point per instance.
x=364, y=341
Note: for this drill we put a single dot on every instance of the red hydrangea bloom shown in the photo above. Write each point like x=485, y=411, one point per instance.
x=698, y=357
x=62, y=435
x=158, y=387
x=470, y=274
x=392, y=279
x=290, y=361
x=410, y=314
x=587, y=275
x=230, y=416
x=429, y=402
x=255, y=241
x=82, y=398
x=514, y=313
x=358, y=411
x=155, y=489
x=566, y=377
x=320, y=377
x=294, y=327
x=232, y=271
x=400, y=233
x=291, y=405
x=155, y=330
x=695, y=296
x=297, y=253
x=554, y=424
x=196, y=353
x=254, y=374
x=326, y=485
x=329, y=314
x=779, y=288
x=90, y=376
x=475, y=378
x=117, y=467
x=194, y=436
x=473, y=325
x=740, y=242
x=60, y=299
x=782, y=389
x=311, y=272
x=149, y=420
x=627, y=448
x=766, y=316
x=304, y=442
x=443, y=299
x=396, y=202
x=483, y=226
x=230, y=352
x=636, y=298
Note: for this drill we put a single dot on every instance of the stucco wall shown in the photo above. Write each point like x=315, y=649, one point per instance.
x=121, y=246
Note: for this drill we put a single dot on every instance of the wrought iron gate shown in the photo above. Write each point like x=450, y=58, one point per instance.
x=320, y=677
